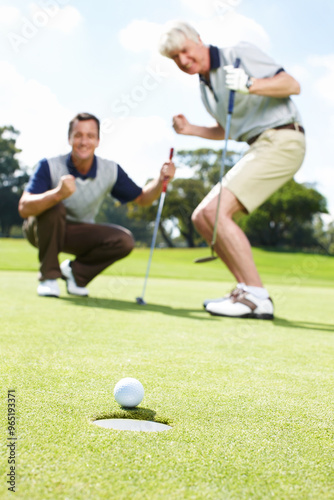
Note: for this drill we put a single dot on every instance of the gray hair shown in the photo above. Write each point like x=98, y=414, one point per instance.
x=176, y=32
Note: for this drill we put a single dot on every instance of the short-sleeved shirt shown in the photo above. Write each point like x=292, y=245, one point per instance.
x=124, y=189
x=252, y=114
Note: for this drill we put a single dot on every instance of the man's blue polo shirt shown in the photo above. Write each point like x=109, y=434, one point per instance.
x=124, y=190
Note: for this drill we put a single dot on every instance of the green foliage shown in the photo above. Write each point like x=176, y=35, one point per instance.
x=12, y=179
x=182, y=200
x=286, y=218
x=8, y=150
x=184, y=195
x=207, y=163
x=112, y=212
x=324, y=234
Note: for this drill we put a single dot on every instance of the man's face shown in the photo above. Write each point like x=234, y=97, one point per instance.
x=84, y=139
x=192, y=57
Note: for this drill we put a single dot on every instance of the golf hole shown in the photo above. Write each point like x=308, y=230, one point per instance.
x=127, y=424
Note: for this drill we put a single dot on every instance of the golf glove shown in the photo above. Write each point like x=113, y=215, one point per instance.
x=237, y=79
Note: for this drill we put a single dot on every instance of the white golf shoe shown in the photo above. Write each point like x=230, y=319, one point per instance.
x=72, y=287
x=234, y=292
x=243, y=305
x=48, y=288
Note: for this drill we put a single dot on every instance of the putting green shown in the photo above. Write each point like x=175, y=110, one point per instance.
x=250, y=402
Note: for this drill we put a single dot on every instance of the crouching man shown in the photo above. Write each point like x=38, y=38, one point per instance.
x=61, y=201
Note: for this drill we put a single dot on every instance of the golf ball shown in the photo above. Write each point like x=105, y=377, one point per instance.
x=129, y=392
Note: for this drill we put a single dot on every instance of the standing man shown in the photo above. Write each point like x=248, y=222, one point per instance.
x=60, y=204
x=266, y=118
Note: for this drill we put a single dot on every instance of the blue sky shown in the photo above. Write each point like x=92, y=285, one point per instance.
x=59, y=57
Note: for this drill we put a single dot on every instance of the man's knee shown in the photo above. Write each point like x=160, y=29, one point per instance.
x=37, y=228
x=52, y=214
x=128, y=242
x=120, y=240
x=201, y=217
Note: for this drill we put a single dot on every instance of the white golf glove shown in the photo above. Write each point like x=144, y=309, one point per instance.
x=237, y=79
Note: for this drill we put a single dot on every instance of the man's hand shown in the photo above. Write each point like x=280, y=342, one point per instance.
x=66, y=186
x=167, y=171
x=181, y=125
x=153, y=188
x=237, y=79
x=35, y=204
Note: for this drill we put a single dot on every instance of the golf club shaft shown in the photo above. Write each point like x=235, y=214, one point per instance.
x=155, y=232
x=222, y=173
x=223, y=162
x=156, y=226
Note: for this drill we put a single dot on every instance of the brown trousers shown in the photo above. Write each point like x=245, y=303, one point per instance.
x=96, y=246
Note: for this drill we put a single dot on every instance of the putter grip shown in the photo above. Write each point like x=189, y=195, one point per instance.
x=232, y=92
x=165, y=181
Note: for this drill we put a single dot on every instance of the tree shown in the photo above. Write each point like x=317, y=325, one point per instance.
x=286, y=218
x=183, y=198
x=185, y=194
x=113, y=212
x=12, y=179
x=206, y=163
x=141, y=221
x=324, y=234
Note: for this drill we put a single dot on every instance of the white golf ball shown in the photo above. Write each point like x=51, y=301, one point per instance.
x=129, y=392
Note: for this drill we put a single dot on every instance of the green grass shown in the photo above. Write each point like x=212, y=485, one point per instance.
x=292, y=269
x=250, y=402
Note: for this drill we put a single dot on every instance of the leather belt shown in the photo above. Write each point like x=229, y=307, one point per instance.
x=291, y=126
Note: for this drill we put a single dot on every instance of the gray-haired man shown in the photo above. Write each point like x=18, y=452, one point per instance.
x=266, y=118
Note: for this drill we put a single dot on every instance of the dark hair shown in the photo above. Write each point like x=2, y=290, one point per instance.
x=83, y=117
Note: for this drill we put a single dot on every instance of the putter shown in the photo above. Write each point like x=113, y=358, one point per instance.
x=221, y=174
x=140, y=300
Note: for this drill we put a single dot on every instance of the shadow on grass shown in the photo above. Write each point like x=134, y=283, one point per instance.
x=305, y=325
x=199, y=314
x=137, y=413
x=124, y=305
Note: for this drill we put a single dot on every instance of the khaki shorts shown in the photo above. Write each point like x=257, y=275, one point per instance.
x=269, y=163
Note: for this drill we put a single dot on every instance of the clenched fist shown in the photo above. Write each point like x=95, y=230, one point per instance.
x=181, y=124
x=66, y=186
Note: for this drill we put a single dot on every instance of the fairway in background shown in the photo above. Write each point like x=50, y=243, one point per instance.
x=291, y=269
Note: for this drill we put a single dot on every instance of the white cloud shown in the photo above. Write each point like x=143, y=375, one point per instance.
x=221, y=30
x=67, y=20
x=19, y=27
x=203, y=8
x=8, y=15
x=36, y=112
x=208, y=8
x=301, y=73
x=140, y=35
x=232, y=28
x=39, y=16
x=324, y=83
x=64, y=19
x=139, y=144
